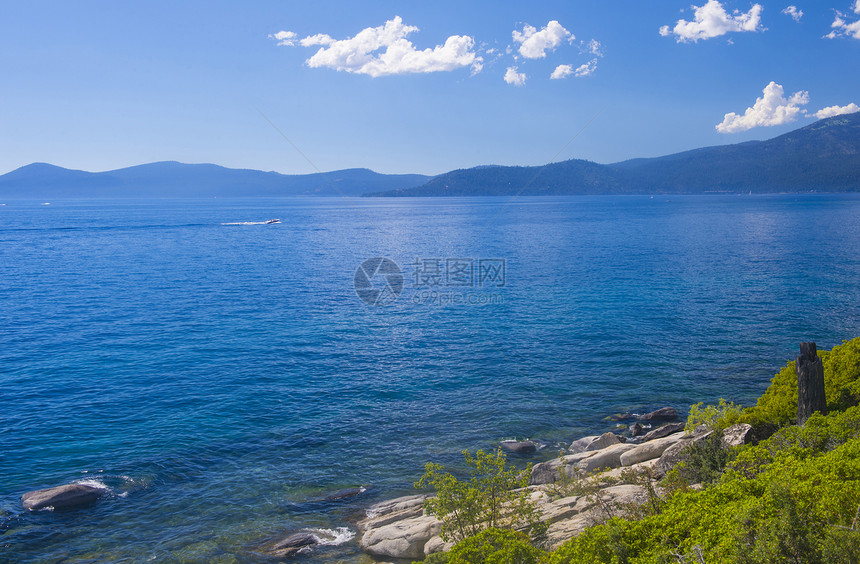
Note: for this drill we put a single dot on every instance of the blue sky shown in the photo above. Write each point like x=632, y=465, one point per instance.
x=412, y=86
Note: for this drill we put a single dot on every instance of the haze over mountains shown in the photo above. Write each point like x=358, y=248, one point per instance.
x=823, y=156
x=179, y=180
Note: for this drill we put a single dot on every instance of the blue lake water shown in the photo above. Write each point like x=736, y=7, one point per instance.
x=220, y=379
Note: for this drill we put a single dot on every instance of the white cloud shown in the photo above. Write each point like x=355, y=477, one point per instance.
x=285, y=38
x=384, y=50
x=841, y=27
x=562, y=71
x=771, y=109
x=587, y=69
x=318, y=39
x=594, y=47
x=794, y=12
x=831, y=111
x=712, y=20
x=514, y=77
x=534, y=44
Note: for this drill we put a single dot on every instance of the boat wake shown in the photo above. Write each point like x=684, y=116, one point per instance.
x=267, y=222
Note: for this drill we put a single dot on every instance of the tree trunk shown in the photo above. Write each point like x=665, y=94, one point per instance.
x=810, y=383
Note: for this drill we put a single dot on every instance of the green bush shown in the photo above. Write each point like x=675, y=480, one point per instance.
x=486, y=500
x=605, y=544
x=435, y=558
x=496, y=546
x=703, y=461
x=714, y=418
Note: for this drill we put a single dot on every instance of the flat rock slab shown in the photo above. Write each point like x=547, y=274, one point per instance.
x=584, y=514
x=552, y=470
x=737, y=435
x=401, y=539
x=603, y=441
x=650, y=450
x=392, y=510
x=62, y=497
x=664, y=431
x=607, y=458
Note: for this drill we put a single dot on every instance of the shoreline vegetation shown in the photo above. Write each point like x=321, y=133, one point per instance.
x=732, y=484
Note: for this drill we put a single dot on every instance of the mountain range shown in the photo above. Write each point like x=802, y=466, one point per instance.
x=179, y=180
x=823, y=156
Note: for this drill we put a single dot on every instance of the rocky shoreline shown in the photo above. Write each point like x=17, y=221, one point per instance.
x=399, y=529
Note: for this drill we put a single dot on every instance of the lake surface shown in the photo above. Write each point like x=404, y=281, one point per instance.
x=221, y=379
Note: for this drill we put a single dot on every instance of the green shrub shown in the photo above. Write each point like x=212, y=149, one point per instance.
x=604, y=544
x=842, y=375
x=435, y=558
x=715, y=418
x=486, y=500
x=703, y=461
x=841, y=546
x=496, y=546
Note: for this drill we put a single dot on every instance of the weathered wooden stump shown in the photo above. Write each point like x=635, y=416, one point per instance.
x=810, y=383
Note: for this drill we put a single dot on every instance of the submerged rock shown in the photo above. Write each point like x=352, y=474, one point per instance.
x=62, y=497
x=662, y=414
x=519, y=447
x=345, y=493
x=288, y=545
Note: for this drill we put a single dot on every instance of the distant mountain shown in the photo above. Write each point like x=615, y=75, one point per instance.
x=823, y=156
x=178, y=180
x=568, y=177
